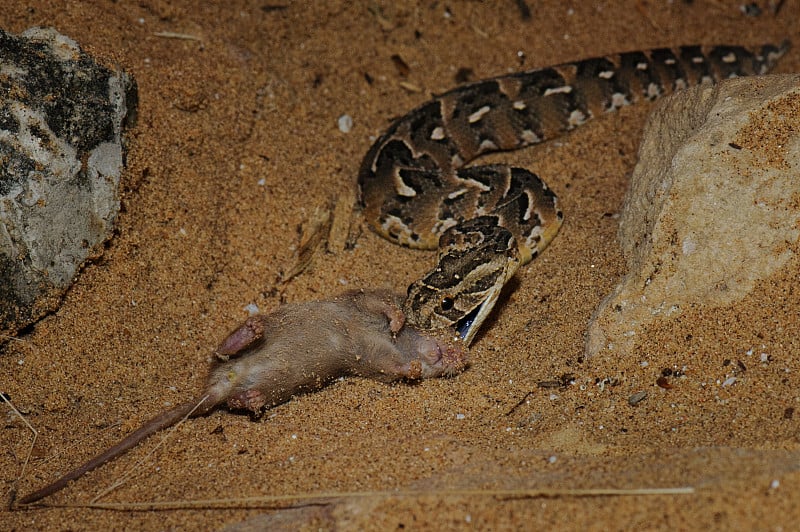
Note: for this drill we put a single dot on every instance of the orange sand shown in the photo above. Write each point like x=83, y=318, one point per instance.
x=255, y=94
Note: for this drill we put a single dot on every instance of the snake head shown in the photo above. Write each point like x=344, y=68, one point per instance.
x=476, y=259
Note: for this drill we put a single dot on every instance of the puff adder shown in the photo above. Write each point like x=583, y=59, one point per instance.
x=486, y=221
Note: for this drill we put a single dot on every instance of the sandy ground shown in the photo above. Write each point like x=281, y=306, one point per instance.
x=237, y=144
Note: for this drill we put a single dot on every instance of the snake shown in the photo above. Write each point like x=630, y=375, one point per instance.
x=417, y=188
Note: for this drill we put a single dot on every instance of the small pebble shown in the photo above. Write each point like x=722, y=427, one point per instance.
x=750, y=10
x=345, y=123
x=637, y=398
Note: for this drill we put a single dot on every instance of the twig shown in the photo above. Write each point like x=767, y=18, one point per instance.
x=35, y=436
x=519, y=403
x=173, y=35
x=272, y=501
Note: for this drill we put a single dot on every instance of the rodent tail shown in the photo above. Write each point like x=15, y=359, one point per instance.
x=161, y=421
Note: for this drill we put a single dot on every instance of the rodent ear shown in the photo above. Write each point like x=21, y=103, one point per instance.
x=247, y=334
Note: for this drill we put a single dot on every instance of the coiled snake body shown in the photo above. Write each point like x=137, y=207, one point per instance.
x=488, y=220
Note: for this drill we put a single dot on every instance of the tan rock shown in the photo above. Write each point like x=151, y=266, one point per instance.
x=713, y=205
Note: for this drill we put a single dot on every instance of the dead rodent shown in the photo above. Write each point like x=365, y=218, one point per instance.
x=297, y=349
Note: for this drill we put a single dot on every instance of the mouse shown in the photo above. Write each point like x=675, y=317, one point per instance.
x=299, y=348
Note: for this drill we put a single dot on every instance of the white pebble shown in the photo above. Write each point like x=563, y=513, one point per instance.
x=460, y=416
x=775, y=484
x=729, y=381
x=251, y=309
x=345, y=123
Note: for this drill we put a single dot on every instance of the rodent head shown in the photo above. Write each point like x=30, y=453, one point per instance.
x=431, y=353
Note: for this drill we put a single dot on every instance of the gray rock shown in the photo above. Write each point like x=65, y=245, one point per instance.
x=61, y=155
x=713, y=206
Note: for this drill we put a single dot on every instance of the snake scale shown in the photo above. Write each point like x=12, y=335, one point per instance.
x=486, y=221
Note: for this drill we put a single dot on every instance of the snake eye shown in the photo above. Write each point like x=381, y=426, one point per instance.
x=447, y=303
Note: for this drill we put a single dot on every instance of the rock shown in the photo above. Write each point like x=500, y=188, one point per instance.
x=713, y=205
x=61, y=155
